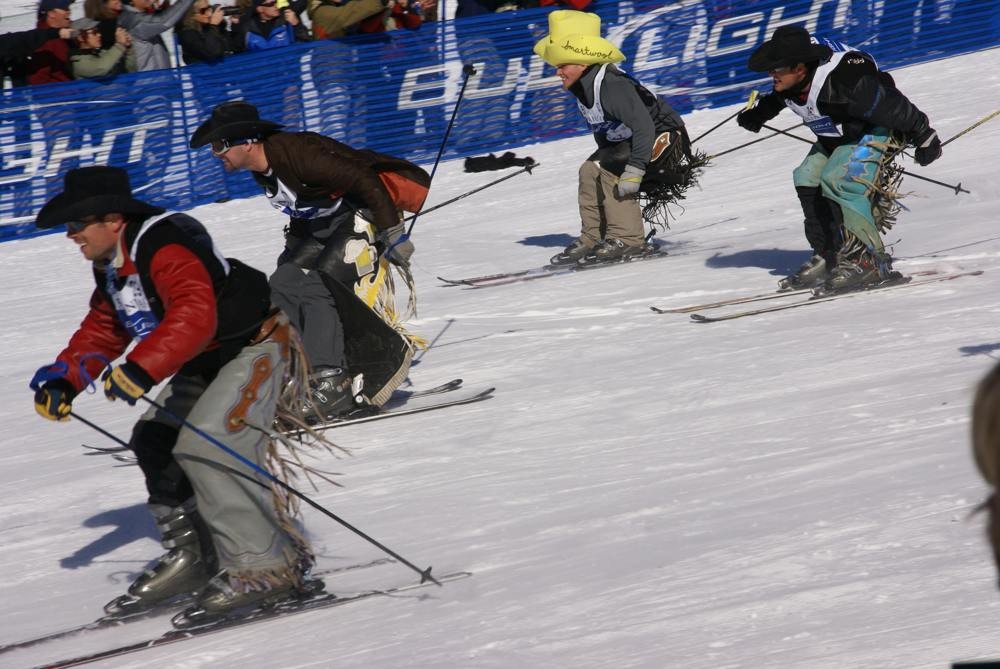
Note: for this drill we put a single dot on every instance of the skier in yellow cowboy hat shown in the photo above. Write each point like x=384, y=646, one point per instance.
x=632, y=127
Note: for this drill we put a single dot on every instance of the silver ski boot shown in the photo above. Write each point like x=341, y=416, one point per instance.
x=613, y=250
x=183, y=570
x=571, y=254
x=223, y=598
x=812, y=273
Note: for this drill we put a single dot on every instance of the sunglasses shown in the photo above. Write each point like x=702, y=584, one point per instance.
x=74, y=227
x=222, y=146
x=267, y=4
x=780, y=70
x=205, y=10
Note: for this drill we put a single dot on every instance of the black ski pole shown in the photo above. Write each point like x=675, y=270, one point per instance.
x=467, y=71
x=98, y=428
x=752, y=99
x=761, y=139
x=972, y=127
x=425, y=574
x=958, y=189
x=526, y=168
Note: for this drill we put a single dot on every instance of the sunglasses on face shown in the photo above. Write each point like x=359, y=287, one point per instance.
x=205, y=10
x=74, y=227
x=222, y=146
x=268, y=4
x=779, y=70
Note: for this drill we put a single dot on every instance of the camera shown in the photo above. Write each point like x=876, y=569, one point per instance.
x=231, y=11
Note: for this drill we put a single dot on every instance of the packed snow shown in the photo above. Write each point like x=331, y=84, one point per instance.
x=785, y=490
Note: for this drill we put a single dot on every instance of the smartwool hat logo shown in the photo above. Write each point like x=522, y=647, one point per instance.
x=575, y=39
x=585, y=51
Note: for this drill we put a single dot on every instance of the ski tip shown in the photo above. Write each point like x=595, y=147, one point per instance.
x=698, y=318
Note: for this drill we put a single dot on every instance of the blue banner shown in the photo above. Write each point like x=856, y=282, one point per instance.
x=394, y=92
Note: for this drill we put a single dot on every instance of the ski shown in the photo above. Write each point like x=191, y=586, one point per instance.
x=544, y=272
x=701, y=318
x=315, y=603
x=407, y=409
x=397, y=396
x=743, y=299
x=108, y=621
x=758, y=297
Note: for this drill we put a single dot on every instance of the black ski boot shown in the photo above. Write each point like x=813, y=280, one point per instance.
x=183, y=570
x=571, y=254
x=331, y=395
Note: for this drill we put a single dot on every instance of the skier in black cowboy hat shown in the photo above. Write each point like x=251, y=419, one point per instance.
x=344, y=207
x=861, y=122
x=203, y=324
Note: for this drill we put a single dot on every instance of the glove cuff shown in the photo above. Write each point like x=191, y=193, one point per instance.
x=68, y=390
x=138, y=374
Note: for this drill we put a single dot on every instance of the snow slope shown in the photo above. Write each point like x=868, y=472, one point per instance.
x=790, y=490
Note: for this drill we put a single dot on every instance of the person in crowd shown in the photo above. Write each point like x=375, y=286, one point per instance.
x=204, y=35
x=861, y=121
x=146, y=26
x=49, y=63
x=397, y=15
x=343, y=205
x=270, y=27
x=335, y=18
x=89, y=60
x=631, y=126
x=106, y=13
x=203, y=324
x=22, y=43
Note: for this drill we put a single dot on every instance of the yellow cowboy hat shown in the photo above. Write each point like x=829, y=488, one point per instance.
x=575, y=39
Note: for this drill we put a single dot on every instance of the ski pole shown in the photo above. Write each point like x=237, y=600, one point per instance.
x=467, y=71
x=761, y=139
x=425, y=574
x=749, y=104
x=526, y=168
x=958, y=189
x=100, y=429
x=971, y=127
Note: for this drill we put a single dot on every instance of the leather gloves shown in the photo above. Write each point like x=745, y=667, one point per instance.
x=928, y=147
x=128, y=382
x=750, y=119
x=54, y=400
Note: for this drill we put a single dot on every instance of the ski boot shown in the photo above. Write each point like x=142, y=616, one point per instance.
x=571, y=254
x=222, y=598
x=859, y=271
x=812, y=273
x=612, y=250
x=183, y=570
x=332, y=395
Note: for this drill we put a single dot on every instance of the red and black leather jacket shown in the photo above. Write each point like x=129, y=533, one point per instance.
x=190, y=309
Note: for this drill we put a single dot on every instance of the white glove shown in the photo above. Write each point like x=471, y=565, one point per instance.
x=629, y=181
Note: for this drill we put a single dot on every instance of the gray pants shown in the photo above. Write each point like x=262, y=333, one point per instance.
x=240, y=514
x=302, y=295
x=602, y=209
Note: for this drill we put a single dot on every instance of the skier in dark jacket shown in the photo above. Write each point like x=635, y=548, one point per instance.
x=204, y=324
x=861, y=121
x=344, y=207
x=632, y=127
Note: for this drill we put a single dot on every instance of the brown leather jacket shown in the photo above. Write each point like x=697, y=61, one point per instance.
x=316, y=167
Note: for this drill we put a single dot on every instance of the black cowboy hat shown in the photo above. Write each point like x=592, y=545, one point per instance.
x=93, y=191
x=789, y=45
x=233, y=120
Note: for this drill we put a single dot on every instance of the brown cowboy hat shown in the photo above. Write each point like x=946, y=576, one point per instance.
x=788, y=46
x=233, y=120
x=93, y=191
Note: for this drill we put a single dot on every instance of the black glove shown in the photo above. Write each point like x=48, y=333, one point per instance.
x=54, y=400
x=928, y=147
x=751, y=119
